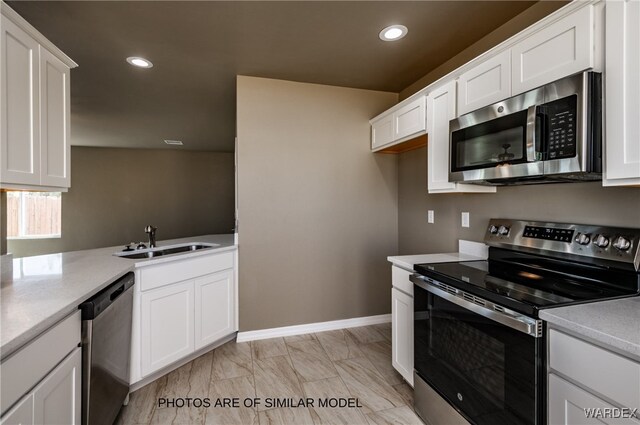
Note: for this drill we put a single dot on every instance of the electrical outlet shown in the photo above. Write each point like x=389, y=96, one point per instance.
x=465, y=219
x=430, y=216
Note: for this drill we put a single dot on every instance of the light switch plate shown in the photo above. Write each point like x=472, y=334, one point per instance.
x=465, y=219
x=430, y=216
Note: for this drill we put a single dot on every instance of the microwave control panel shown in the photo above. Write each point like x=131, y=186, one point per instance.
x=560, y=126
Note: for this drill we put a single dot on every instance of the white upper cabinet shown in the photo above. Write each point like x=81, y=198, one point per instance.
x=34, y=93
x=622, y=94
x=382, y=131
x=557, y=50
x=403, y=122
x=19, y=58
x=55, y=150
x=441, y=108
x=410, y=119
x=485, y=84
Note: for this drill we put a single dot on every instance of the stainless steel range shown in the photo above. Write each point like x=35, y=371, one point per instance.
x=480, y=353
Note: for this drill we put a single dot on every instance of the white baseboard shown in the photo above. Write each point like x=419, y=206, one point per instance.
x=312, y=327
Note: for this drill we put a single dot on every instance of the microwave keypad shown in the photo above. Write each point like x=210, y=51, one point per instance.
x=561, y=127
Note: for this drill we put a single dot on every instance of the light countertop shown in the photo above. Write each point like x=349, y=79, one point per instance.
x=47, y=288
x=614, y=323
x=467, y=251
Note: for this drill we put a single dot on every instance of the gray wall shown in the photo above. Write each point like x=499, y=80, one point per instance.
x=317, y=211
x=587, y=203
x=115, y=193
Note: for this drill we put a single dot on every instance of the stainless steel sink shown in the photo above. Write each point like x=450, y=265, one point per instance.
x=166, y=250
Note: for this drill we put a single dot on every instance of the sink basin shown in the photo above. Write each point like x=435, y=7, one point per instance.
x=165, y=250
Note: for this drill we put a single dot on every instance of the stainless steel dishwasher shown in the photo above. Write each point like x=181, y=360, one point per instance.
x=106, y=350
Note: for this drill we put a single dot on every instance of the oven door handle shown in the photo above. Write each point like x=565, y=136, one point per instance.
x=489, y=310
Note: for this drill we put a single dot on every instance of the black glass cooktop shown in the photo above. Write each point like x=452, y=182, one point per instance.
x=528, y=283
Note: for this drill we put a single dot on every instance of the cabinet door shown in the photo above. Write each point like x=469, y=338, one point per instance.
x=56, y=400
x=485, y=84
x=21, y=414
x=441, y=108
x=382, y=131
x=214, y=310
x=402, y=334
x=19, y=109
x=410, y=119
x=622, y=86
x=570, y=405
x=166, y=325
x=561, y=49
x=55, y=150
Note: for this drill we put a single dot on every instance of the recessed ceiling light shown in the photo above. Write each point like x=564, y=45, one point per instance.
x=174, y=142
x=139, y=62
x=393, y=32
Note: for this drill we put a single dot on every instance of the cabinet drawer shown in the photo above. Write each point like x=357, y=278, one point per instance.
x=400, y=280
x=27, y=367
x=155, y=276
x=607, y=373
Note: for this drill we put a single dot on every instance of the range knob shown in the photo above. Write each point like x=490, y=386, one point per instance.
x=503, y=230
x=583, y=238
x=493, y=229
x=601, y=241
x=622, y=243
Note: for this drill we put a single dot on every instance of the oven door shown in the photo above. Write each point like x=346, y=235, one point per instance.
x=497, y=142
x=488, y=365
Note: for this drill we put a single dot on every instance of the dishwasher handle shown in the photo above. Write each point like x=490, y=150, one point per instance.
x=94, y=306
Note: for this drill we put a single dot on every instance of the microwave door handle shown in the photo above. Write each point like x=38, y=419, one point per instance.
x=531, y=133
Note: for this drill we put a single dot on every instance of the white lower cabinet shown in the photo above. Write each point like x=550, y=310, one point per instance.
x=21, y=414
x=167, y=325
x=402, y=334
x=571, y=405
x=402, y=323
x=41, y=383
x=214, y=313
x=55, y=400
x=180, y=307
x=589, y=384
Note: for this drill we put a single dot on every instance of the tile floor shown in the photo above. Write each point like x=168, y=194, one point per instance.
x=346, y=363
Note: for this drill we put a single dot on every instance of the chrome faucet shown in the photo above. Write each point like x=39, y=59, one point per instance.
x=151, y=231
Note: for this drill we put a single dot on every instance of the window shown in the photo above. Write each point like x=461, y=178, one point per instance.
x=33, y=215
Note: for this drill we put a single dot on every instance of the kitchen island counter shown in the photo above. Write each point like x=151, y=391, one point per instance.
x=45, y=289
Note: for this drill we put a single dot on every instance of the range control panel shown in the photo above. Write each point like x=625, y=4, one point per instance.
x=548, y=233
x=609, y=243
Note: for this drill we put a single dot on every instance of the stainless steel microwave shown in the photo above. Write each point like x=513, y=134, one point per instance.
x=550, y=134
